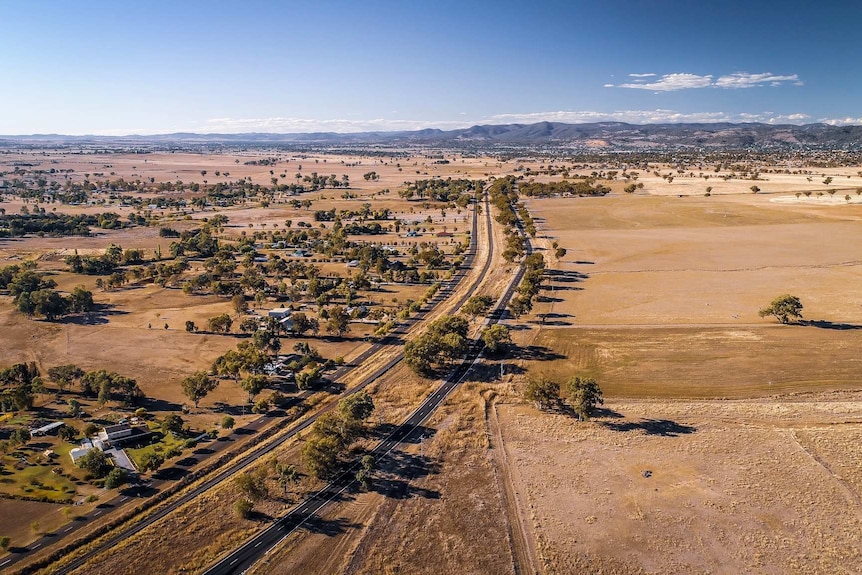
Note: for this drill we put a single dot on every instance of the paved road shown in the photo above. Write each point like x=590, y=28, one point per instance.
x=392, y=339
x=245, y=556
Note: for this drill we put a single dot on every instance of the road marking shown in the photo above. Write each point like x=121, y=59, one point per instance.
x=234, y=561
x=36, y=546
x=123, y=499
x=97, y=513
x=5, y=562
x=258, y=544
x=68, y=529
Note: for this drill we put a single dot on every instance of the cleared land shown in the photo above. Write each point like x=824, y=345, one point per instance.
x=768, y=486
x=658, y=296
x=728, y=443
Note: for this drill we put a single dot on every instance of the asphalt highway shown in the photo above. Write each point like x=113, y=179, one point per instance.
x=245, y=556
x=393, y=338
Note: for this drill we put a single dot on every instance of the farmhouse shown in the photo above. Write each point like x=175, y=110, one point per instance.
x=115, y=432
x=279, y=313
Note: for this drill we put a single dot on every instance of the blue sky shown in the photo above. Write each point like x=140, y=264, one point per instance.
x=122, y=67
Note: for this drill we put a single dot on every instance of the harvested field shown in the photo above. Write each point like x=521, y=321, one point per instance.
x=768, y=486
x=659, y=296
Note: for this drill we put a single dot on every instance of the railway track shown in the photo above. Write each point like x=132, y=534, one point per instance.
x=245, y=556
x=391, y=339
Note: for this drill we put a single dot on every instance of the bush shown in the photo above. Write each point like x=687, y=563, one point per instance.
x=227, y=422
x=242, y=508
x=116, y=477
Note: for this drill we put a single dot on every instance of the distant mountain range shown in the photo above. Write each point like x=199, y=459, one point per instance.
x=555, y=134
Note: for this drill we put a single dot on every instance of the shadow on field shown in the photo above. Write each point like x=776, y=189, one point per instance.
x=662, y=427
x=553, y=319
x=536, y=353
x=823, y=324
x=565, y=276
x=99, y=316
x=606, y=412
x=399, y=469
x=329, y=527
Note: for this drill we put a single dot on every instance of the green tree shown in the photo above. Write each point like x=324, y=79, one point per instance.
x=477, y=305
x=253, y=384
x=242, y=508
x=338, y=321
x=64, y=375
x=220, y=323
x=584, y=394
x=544, y=392
x=286, y=476
x=252, y=485
x=320, y=455
x=115, y=478
x=95, y=462
x=197, y=386
x=48, y=303
x=227, y=422
x=786, y=309
x=172, y=423
x=67, y=433
x=302, y=323
x=81, y=300
x=240, y=305
x=5, y=542
x=358, y=406
x=151, y=461
x=496, y=338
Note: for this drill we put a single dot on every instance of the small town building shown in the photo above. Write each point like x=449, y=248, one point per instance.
x=279, y=313
x=46, y=429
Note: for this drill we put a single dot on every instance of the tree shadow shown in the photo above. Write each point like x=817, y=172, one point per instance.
x=536, y=353
x=153, y=405
x=399, y=469
x=662, y=427
x=329, y=527
x=607, y=413
x=565, y=276
x=99, y=316
x=552, y=319
x=171, y=473
x=823, y=324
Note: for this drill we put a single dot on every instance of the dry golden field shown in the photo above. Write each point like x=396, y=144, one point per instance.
x=728, y=443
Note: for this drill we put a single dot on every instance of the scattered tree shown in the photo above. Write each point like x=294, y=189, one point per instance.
x=786, y=309
x=544, y=392
x=584, y=394
x=197, y=386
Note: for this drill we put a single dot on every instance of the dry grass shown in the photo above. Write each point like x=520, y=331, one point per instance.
x=729, y=490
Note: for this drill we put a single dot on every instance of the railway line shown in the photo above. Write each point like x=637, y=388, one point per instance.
x=245, y=556
x=394, y=338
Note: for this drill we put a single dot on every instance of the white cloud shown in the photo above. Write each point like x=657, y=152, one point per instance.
x=849, y=121
x=673, y=82
x=658, y=116
x=746, y=80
